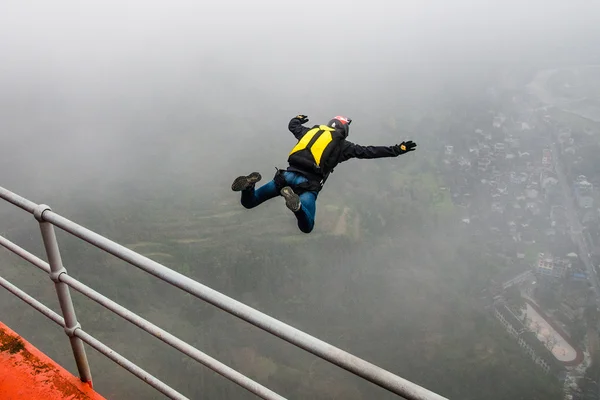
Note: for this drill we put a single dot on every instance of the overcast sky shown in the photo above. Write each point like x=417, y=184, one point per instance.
x=90, y=77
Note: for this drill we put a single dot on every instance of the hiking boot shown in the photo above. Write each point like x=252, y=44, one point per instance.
x=245, y=182
x=292, y=200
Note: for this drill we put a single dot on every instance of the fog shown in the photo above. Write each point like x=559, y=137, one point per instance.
x=108, y=105
x=92, y=79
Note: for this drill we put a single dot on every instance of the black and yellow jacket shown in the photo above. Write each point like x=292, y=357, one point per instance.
x=347, y=150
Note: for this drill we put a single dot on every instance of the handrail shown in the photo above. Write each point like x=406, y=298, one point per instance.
x=47, y=219
x=146, y=325
x=96, y=344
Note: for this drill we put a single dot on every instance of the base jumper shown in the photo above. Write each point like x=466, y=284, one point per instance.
x=318, y=151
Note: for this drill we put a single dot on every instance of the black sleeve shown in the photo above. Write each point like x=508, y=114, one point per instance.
x=351, y=150
x=295, y=126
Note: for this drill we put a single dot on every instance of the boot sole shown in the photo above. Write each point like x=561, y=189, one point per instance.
x=244, y=182
x=292, y=200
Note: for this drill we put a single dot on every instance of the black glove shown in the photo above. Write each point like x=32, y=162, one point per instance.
x=405, y=147
x=303, y=118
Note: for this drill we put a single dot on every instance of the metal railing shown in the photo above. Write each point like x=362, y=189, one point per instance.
x=63, y=282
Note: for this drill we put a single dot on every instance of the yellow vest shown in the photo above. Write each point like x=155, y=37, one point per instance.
x=315, y=140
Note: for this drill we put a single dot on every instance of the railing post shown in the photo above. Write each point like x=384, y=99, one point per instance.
x=64, y=295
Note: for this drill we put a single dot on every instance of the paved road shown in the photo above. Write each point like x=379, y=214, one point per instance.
x=538, y=88
x=574, y=223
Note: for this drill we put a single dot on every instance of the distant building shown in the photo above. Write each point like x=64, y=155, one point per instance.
x=501, y=188
x=518, y=178
x=579, y=276
x=547, y=159
x=584, y=192
x=500, y=148
x=464, y=163
x=484, y=149
x=483, y=163
x=552, y=267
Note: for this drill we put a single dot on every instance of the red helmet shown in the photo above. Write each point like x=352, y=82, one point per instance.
x=342, y=123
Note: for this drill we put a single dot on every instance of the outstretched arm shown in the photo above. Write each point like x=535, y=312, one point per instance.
x=351, y=150
x=295, y=126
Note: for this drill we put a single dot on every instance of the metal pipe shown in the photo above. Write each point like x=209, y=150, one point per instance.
x=172, y=340
x=341, y=358
x=96, y=344
x=32, y=302
x=24, y=254
x=64, y=299
x=129, y=366
x=17, y=200
x=149, y=327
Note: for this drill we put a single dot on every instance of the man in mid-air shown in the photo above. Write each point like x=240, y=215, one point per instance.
x=318, y=151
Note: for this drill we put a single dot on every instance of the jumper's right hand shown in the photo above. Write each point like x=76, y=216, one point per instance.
x=303, y=118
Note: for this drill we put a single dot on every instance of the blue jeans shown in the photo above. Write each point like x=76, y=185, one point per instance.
x=305, y=216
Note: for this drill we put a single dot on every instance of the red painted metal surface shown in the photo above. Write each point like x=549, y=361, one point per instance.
x=27, y=373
